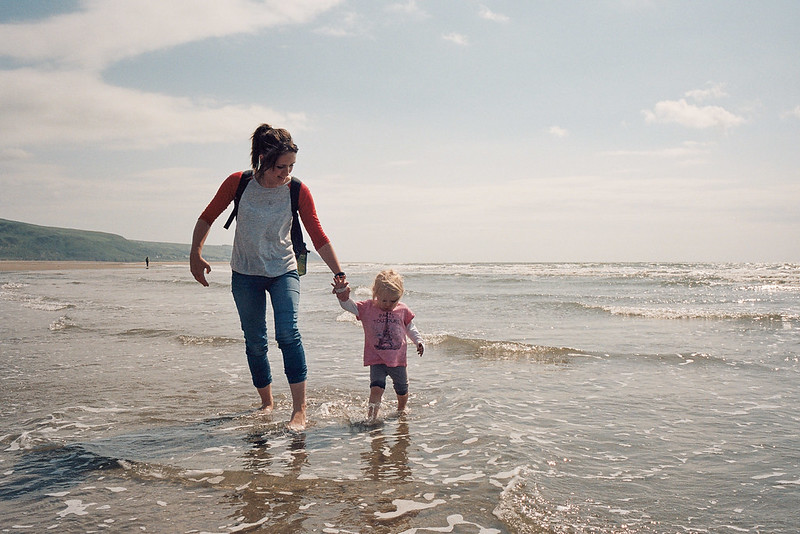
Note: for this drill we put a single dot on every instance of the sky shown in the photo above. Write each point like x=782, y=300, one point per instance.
x=429, y=130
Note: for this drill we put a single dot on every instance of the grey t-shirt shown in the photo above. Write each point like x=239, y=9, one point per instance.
x=262, y=245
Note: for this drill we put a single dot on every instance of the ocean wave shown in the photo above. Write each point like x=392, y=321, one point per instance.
x=784, y=275
x=772, y=288
x=62, y=323
x=53, y=468
x=689, y=358
x=672, y=313
x=11, y=291
x=501, y=350
x=207, y=340
x=37, y=303
x=169, y=281
x=526, y=510
x=12, y=286
x=148, y=333
x=184, y=339
x=47, y=304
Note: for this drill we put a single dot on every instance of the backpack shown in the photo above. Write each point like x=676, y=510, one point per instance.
x=299, y=246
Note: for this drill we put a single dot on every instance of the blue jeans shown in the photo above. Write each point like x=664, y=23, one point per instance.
x=250, y=295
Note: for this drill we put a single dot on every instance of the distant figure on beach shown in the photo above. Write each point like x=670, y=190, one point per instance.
x=263, y=261
x=147, y=262
x=386, y=322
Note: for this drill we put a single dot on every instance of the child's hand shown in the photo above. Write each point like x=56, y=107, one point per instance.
x=420, y=349
x=341, y=289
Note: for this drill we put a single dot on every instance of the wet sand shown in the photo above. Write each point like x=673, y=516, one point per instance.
x=14, y=265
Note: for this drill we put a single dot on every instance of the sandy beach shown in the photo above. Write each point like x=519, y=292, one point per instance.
x=25, y=265
x=14, y=265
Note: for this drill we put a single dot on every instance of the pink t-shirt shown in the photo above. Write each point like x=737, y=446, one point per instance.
x=384, y=333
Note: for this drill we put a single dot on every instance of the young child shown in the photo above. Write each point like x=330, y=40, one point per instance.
x=386, y=322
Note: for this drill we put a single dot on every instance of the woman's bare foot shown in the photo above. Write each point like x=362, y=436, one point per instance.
x=298, y=421
x=267, y=404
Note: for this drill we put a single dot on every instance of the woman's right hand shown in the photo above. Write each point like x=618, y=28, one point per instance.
x=199, y=268
x=197, y=264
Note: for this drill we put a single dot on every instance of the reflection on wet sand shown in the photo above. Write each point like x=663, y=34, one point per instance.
x=387, y=458
x=278, y=490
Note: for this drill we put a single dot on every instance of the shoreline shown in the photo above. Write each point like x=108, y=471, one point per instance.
x=49, y=265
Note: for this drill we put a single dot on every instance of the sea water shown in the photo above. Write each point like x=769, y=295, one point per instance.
x=563, y=398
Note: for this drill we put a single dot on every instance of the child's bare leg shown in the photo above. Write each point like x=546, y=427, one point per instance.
x=401, y=403
x=375, y=395
x=266, y=398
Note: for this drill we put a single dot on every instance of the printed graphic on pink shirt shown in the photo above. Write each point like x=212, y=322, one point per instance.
x=384, y=333
x=387, y=338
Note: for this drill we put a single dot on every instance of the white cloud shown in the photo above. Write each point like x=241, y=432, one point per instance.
x=410, y=8
x=456, y=38
x=106, y=31
x=488, y=14
x=688, y=149
x=348, y=25
x=714, y=91
x=691, y=116
x=60, y=95
x=78, y=107
x=558, y=131
x=795, y=113
x=13, y=154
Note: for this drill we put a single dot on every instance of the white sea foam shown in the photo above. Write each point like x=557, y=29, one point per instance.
x=768, y=475
x=452, y=522
x=465, y=477
x=76, y=507
x=405, y=506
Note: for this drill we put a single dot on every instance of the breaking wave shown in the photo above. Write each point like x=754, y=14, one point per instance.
x=501, y=350
x=184, y=339
x=671, y=313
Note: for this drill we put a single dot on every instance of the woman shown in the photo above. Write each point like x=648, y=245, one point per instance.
x=263, y=261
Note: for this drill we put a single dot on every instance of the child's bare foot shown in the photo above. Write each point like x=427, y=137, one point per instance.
x=402, y=400
x=372, y=412
x=266, y=409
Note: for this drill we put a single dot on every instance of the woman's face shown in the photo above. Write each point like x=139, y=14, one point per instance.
x=283, y=168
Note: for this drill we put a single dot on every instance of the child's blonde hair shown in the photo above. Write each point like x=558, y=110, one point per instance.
x=388, y=282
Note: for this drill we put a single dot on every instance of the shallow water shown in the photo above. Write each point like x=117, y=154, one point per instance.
x=551, y=398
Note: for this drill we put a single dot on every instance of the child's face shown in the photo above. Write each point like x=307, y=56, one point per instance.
x=386, y=301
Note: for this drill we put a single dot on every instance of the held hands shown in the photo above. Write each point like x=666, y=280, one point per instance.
x=341, y=288
x=420, y=349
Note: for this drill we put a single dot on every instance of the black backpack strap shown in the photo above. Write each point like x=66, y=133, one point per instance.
x=297, y=232
x=298, y=244
x=243, y=181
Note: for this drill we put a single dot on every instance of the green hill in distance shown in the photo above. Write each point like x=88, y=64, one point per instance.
x=31, y=242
